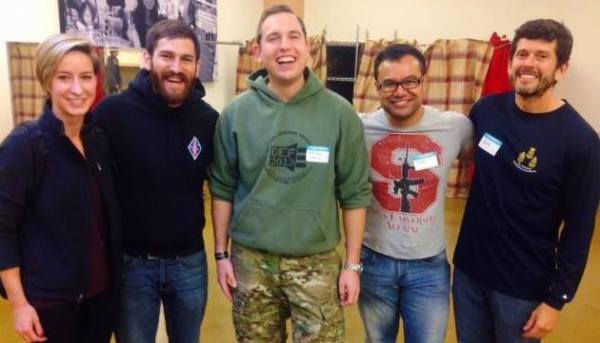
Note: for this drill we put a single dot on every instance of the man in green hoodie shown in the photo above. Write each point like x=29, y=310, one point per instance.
x=287, y=152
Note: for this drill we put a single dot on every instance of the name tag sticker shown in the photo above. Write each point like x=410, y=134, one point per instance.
x=425, y=161
x=317, y=154
x=490, y=144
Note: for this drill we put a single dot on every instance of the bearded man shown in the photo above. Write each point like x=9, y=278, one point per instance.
x=161, y=135
x=529, y=220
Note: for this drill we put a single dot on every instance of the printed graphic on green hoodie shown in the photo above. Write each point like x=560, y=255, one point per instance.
x=287, y=157
x=291, y=156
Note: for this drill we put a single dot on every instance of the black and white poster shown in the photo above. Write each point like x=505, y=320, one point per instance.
x=124, y=23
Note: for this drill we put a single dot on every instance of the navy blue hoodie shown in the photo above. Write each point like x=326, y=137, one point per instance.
x=161, y=155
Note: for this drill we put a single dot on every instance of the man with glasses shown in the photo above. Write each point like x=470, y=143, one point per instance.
x=406, y=274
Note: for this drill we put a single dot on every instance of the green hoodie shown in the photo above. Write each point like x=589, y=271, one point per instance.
x=284, y=165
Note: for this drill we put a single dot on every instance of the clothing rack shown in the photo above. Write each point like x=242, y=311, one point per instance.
x=220, y=42
x=340, y=43
x=341, y=79
x=210, y=42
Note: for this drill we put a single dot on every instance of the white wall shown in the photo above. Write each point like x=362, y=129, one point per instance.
x=34, y=20
x=427, y=20
x=237, y=21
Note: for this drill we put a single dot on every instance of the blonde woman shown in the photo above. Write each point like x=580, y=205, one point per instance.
x=59, y=226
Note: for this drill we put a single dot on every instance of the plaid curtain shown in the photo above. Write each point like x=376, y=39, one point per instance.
x=365, y=97
x=456, y=73
x=27, y=94
x=248, y=64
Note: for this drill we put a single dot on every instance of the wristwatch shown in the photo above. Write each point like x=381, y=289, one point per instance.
x=355, y=267
x=221, y=255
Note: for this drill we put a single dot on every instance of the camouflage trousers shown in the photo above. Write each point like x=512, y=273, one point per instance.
x=271, y=289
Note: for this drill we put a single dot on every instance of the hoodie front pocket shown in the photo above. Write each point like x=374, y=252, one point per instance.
x=281, y=230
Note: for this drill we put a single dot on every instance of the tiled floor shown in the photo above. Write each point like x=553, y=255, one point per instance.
x=578, y=324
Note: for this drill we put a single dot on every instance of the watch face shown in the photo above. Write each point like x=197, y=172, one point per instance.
x=355, y=267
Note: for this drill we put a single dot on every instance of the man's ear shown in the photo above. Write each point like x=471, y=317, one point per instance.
x=147, y=60
x=198, y=67
x=561, y=71
x=256, y=51
x=424, y=81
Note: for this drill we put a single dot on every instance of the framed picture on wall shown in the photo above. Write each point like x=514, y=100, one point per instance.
x=124, y=23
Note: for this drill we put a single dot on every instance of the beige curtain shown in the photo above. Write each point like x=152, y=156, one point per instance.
x=365, y=97
x=456, y=73
x=317, y=61
x=27, y=94
x=248, y=64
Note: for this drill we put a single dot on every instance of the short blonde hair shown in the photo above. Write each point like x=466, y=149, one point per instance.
x=49, y=53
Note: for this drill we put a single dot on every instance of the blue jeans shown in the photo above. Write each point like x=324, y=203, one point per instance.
x=415, y=290
x=180, y=283
x=484, y=315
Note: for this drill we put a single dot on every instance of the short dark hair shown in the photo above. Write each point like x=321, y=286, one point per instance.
x=548, y=30
x=276, y=9
x=395, y=52
x=170, y=29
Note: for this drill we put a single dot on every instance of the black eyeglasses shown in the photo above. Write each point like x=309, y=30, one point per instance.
x=390, y=86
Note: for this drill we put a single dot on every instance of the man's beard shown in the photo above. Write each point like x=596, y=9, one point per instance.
x=172, y=98
x=545, y=82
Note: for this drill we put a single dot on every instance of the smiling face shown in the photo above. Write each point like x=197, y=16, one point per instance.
x=73, y=86
x=403, y=106
x=173, y=69
x=533, y=68
x=283, y=49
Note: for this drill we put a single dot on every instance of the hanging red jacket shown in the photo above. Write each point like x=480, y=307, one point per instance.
x=497, y=80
